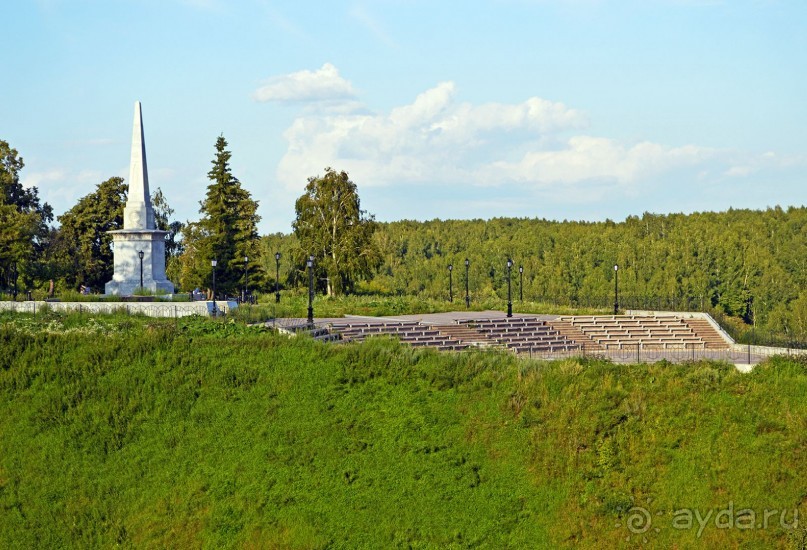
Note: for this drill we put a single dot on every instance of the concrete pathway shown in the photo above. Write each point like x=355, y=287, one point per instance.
x=450, y=317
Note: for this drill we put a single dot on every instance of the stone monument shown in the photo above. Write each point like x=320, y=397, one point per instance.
x=139, y=248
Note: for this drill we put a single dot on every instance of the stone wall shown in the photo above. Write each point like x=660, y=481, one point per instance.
x=150, y=309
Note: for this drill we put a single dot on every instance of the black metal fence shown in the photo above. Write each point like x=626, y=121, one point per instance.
x=756, y=336
x=628, y=301
x=738, y=355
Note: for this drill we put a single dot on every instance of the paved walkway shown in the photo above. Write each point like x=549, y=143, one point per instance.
x=445, y=318
x=450, y=317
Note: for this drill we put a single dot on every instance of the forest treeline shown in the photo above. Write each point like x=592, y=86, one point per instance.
x=744, y=263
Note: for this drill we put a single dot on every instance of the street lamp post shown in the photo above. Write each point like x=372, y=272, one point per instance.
x=616, y=289
x=509, y=297
x=140, y=255
x=521, y=283
x=450, y=283
x=277, y=277
x=15, y=276
x=467, y=296
x=246, y=278
x=310, y=265
x=213, y=265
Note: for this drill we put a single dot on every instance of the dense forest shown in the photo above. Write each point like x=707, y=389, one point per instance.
x=742, y=263
x=747, y=265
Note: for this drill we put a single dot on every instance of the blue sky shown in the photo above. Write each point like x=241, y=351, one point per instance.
x=575, y=109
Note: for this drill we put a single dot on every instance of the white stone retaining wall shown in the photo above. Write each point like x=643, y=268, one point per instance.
x=150, y=309
x=767, y=351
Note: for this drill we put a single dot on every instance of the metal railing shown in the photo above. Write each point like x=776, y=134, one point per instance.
x=738, y=354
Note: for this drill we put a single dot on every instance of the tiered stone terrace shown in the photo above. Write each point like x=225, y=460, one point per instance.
x=623, y=331
x=522, y=334
x=527, y=334
x=409, y=332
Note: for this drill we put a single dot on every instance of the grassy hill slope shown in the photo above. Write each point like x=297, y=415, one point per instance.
x=146, y=433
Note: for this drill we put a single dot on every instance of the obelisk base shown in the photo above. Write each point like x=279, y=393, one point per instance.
x=129, y=268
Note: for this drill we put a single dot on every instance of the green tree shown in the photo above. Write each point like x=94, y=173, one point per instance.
x=173, y=246
x=285, y=272
x=227, y=231
x=24, y=230
x=162, y=217
x=82, y=249
x=331, y=225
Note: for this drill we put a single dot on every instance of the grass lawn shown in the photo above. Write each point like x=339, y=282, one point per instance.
x=127, y=431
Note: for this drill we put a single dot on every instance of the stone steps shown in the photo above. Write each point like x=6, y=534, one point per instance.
x=465, y=335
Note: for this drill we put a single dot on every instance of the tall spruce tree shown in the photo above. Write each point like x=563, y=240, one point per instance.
x=227, y=231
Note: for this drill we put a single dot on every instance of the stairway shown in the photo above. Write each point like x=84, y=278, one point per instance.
x=571, y=332
x=705, y=330
x=466, y=335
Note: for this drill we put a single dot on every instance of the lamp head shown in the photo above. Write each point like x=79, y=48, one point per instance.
x=521, y=269
x=140, y=254
x=467, y=262
x=616, y=267
x=450, y=267
x=277, y=256
x=509, y=263
x=213, y=262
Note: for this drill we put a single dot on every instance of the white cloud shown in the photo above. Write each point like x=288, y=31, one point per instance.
x=371, y=24
x=283, y=23
x=586, y=158
x=746, y=165
x=537, y=151
x=62, y=188
x=738, y=171
x=36, y=179
x=324, y=84
x=438, y=140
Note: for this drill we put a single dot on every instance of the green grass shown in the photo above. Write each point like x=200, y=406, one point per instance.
x=148, y=433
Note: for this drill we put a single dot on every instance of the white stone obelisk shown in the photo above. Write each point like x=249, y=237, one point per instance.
x=139, y=233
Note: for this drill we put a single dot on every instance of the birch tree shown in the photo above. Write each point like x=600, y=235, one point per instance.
x=331, y=226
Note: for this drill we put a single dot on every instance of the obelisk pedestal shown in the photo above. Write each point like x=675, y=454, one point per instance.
x=139, y=233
